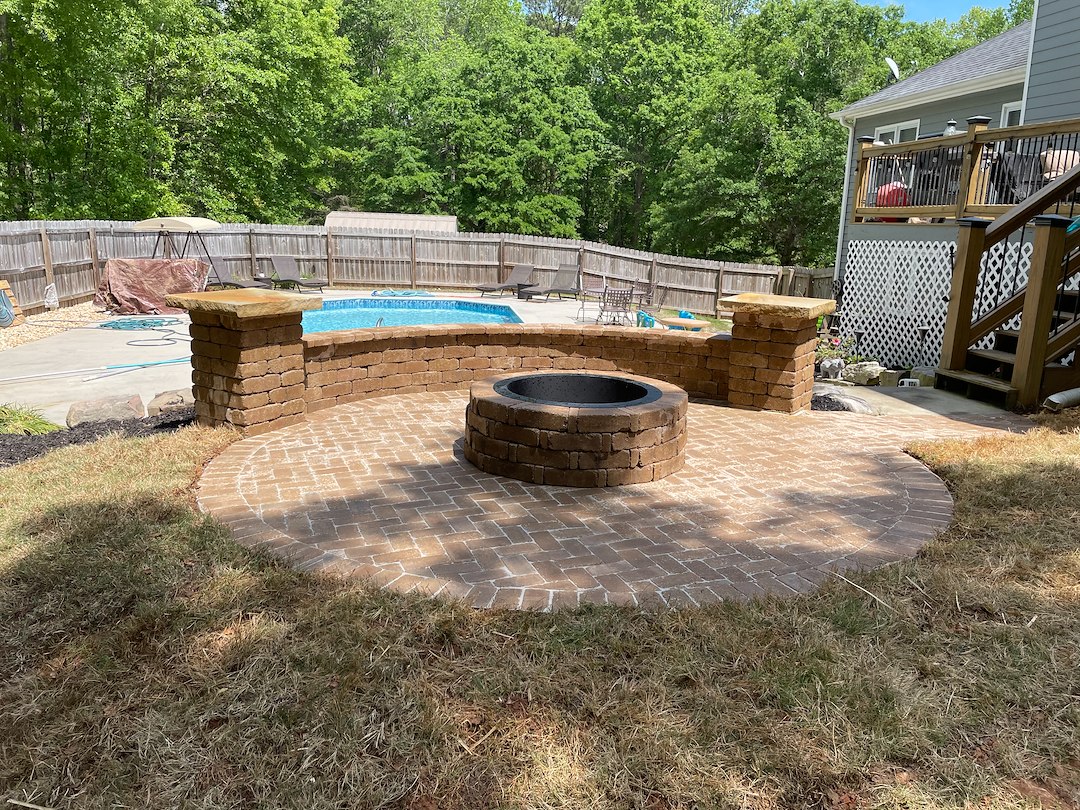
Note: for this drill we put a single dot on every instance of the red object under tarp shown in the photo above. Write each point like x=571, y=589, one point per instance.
x=139, y=286
x=892, y=195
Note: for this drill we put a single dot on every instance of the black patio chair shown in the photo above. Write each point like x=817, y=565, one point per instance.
x=224, y=277
x=288, y=275
x=518, y=277
x=566, y=282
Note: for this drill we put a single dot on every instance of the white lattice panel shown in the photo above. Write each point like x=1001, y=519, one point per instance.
x=891, y=288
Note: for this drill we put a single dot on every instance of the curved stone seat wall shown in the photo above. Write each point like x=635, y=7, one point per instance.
x=352, y=365
x=254, y=371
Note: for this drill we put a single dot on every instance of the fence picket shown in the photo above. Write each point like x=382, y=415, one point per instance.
x=74, y=252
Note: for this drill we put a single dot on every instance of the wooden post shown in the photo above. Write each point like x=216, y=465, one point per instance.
x=971, y=171
x=46, y=258
x=95, y=260
x=970, y=245
x=1040, y=300
x=329, y=258
x=862, y=175
x=412, y=261
x=501, y=259
x=719, y=288
x=252, y=259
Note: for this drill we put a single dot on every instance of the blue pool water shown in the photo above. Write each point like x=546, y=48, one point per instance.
x=362, y=313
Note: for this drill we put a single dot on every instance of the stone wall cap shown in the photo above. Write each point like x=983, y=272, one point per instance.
x=784, y=306
x=245, y=303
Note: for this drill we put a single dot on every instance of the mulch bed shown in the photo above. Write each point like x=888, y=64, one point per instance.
x=15, y=448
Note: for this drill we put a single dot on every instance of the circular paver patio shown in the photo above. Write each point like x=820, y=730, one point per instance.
x=766, y=503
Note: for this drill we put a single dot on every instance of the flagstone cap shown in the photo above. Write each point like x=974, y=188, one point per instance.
x=784, y=306
x=245, y=303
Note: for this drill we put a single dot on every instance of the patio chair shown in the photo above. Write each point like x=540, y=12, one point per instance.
x=566, y=282
x=615, y=305
x=650, y=298
x=288, y=274
x=225, y=278
x=518, y=278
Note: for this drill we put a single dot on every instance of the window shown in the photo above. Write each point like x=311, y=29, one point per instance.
x=1010, y=114
x=897, y=133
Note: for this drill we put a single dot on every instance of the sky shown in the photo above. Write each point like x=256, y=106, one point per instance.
x=924, y=10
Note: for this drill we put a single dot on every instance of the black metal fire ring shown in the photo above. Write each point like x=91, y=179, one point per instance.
x=573, y=390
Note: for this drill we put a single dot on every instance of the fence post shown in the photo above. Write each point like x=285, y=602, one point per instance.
x=971, y=170
x=501, y=259
x=46, y=258
x=970, y=246
x=1040, y=301
x=95, y=260
x=329, y=258
x=252, y=260
x=719, y=289
x=412, y=260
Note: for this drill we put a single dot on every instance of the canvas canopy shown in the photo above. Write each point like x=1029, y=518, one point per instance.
x=177, y=224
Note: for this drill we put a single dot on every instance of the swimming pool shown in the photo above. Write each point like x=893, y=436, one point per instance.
x=362, y=313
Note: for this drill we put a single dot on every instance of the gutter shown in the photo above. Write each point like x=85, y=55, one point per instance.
x=850, y=124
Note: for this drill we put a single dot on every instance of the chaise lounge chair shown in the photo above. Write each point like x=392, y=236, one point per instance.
x=288, y=274
x=518, y=277
x=565, y=283
x=224, y=277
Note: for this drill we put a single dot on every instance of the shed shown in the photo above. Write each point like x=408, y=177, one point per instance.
x=367, y=221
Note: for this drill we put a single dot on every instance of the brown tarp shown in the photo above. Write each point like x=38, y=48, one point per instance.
x=139, y=286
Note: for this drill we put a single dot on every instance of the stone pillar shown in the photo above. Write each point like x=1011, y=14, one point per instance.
x=247, y=357
x=773, y=338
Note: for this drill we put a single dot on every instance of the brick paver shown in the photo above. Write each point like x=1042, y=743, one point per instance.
x=766, y=503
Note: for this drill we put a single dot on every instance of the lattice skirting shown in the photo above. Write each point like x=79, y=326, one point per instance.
x=891, y=289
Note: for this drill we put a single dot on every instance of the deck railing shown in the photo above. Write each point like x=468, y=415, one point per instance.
x=979, y=173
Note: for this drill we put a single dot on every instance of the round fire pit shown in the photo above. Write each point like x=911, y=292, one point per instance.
x=576, y=429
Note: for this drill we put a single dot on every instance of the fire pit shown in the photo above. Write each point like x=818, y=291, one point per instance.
x=576, y=429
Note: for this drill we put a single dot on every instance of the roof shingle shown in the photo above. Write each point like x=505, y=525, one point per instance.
x=1006, y=51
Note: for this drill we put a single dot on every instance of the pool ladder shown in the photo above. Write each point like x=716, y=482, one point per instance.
x=378, y=323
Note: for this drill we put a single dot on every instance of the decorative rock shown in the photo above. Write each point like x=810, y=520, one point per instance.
x=890, y=378
x=101, y=410
x=925, y=375
x=832, y=367
x=866, y=373
x=827, y=399
x=170, y=401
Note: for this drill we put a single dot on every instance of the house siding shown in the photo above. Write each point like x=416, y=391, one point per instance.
x=933, y=118
x=1054, y=83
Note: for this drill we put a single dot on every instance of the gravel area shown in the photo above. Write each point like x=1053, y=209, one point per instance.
x=50, y=323
x=15, y=448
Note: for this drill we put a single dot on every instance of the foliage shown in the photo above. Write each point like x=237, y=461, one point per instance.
x=692, y=126
x=831, y=347
x=23, y=421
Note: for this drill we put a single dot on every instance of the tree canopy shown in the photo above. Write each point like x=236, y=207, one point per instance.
x=692, y=126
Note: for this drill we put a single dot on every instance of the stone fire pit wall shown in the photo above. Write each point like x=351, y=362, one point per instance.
x=252, y=368
x=564, y=444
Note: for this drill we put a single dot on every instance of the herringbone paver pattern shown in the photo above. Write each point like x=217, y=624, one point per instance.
x=767, y=503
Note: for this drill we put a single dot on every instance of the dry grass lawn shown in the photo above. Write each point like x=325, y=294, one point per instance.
x=147, y=661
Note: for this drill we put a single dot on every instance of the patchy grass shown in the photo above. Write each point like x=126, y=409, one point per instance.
x=716, y=324
x=147, y=661
x=24, y=421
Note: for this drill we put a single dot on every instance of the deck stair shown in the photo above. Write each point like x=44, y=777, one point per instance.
x=988, y=358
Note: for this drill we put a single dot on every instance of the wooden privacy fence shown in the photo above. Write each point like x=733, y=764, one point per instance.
x=71, y=255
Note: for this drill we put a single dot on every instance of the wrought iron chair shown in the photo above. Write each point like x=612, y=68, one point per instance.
x=615, y=305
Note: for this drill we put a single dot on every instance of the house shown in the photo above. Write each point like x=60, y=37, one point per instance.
x=895, y=270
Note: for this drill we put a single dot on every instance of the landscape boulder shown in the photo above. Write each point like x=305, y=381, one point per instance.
x=101, y=410
x=170, y=401
x=866, y=373
x=925, y=375
x=827, y=398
